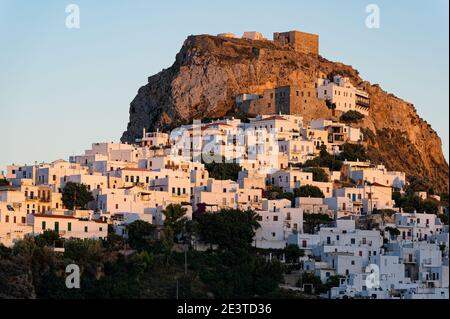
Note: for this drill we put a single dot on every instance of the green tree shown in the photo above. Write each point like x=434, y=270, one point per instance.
x=140, y=234
x=444, y=218
x=393, y=232
x=229, y=228
x=429, y=206
x=4, y=182
x=76, y=196
x=319, y=174
x=175, y=219
x=308, y=278
x=293, y=253
x=352, y=152
x=308, y=191
x=416, y=184
x=47, y=238
x=351, y=116
x=238, y=273
x=223, y=170
x=15, y=279
x=332, y=281
x=397, y=197
x=331, y=106
x=325, y=159
x=312, y=221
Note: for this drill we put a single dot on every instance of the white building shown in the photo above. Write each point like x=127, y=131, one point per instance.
x=343, y=94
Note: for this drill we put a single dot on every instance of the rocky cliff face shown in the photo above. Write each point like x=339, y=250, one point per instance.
x=210, y=71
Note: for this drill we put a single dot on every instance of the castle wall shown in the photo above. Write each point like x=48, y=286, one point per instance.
x=301, y=41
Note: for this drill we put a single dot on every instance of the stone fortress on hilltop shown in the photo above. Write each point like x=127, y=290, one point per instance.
x=214, y=76
x=293, y=99
x=303, y=42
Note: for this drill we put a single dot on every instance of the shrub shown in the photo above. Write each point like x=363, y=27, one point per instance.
x=319, y=174
x=351, y=116
x=308, y=191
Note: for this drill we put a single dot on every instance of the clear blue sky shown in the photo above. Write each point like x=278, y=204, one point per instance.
x=62, y=89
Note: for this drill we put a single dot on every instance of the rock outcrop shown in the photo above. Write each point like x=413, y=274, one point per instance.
x=210, y=71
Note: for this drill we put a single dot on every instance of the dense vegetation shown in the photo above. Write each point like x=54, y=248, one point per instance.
x=4, y=182
x=147, y=265
x=316, y=283
x=275, y=192
x=76, y=195
x=350, y=152
x=351, y=117
x=223, y=171
x=319, y=174
x=410, y=203
x=313, y=221
x=308, y=191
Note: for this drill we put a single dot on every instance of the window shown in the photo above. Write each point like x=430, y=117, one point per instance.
x=275, y=218
x=44, y=225
x=69, y=226
x=85, y=229
x=7, y=219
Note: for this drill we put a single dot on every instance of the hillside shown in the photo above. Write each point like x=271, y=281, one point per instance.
x=210, y=71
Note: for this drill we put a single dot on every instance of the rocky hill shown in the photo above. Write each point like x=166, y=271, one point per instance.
x=210, y=71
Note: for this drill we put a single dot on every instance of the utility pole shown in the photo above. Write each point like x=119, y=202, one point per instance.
x=185, y=260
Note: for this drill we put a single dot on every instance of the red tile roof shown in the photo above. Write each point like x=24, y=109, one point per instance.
x=275, y=117
x=54, y=216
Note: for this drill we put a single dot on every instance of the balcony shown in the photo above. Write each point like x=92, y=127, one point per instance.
x=363, y=103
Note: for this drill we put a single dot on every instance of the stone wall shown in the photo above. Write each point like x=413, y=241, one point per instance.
x=301, y=41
